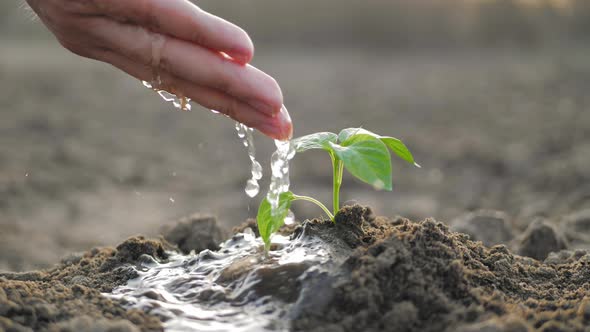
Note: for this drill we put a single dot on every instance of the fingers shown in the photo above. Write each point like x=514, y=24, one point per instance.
x=194, y=63
x=184, y=20
x=278, y=127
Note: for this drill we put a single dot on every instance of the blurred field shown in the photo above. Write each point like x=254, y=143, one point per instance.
x=89, y=157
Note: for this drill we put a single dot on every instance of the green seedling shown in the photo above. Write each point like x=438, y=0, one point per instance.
x=363, y=153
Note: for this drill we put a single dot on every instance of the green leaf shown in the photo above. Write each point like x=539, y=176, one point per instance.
x=367, y=158
x=399, y=148
x=348, y=132
x=268, y=222
x=315, y=141
x=396, y=145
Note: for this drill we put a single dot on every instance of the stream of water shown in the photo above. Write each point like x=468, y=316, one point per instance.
x=279, y=161
x=237, y=288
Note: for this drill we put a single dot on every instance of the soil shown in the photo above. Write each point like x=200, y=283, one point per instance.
x=402, y=276
x=408, y=276
x=68, y=296
x=502, y=136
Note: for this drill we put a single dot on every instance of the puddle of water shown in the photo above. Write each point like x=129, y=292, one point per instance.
x=233, y=289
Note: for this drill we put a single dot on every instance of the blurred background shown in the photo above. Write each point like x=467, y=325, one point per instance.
x=490, y=95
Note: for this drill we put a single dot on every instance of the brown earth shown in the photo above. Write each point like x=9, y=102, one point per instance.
x=407, y=276
x=402, y=276
x=68, y=296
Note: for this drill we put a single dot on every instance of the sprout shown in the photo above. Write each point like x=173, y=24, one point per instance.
x=363, y=153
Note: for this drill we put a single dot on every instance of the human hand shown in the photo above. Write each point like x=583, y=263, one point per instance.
x=182, y=44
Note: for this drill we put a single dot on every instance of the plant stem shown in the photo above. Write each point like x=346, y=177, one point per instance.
x=316, y=202
x=338, y=169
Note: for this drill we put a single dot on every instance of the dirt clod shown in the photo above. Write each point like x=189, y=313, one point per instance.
x=195, y=233
x=577, y=228
x=540, y=239
x=488, y=226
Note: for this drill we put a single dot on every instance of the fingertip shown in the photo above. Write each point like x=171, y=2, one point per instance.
x=241, y=58
x=244, y=51
x=288, y=133
x=279, y=127
x=285, y=123
x=276, y=133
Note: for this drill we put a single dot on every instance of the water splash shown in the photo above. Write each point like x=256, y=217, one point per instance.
x=290, y=218
x=245, y=133
x=178, y=101
x=228, y=289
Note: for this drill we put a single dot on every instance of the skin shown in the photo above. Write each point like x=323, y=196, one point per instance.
x=194, y=53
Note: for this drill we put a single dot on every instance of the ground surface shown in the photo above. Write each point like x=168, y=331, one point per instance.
x=399, y=275
x=89, y=157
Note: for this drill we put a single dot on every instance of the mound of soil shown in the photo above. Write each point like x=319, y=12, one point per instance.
x=407, y=276
x=401, y=276
x=68, y=296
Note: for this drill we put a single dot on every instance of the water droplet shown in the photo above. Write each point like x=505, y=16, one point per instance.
x=180, y=102
x=378, y=184
x=256, y=170
x=252, y=188
x=241, y=130
x=167, y=96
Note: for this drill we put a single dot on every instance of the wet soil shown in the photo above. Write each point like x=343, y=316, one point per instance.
x=400, y=275
x=68, y=296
